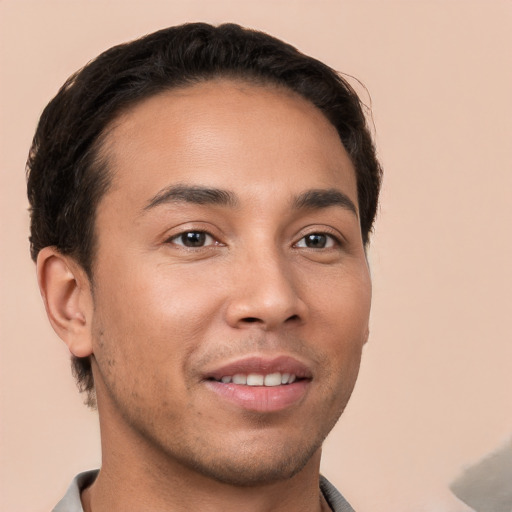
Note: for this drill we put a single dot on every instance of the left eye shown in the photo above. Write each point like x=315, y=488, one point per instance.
x=316, y=241
x=193, y=239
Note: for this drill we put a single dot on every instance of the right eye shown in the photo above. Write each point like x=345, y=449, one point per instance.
x=193, y=239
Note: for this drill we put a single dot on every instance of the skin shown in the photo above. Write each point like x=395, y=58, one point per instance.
x=160, y=315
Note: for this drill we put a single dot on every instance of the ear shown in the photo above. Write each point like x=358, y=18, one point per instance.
x=67, y=297
x=366, y=335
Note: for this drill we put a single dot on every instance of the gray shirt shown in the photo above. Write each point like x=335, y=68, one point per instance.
x=71, y=501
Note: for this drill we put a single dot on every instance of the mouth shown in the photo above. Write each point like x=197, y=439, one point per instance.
x=261, y=384
x=259, y=379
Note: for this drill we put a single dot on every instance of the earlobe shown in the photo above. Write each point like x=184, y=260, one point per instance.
x=66, y=293
x=366, y=336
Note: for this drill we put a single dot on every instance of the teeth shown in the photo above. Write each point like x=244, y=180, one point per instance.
x=257, y=379
x=254, y=379
x=239, y=379
x=273, y=379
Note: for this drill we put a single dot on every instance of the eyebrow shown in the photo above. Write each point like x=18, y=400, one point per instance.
x=316, y=199
x=192, y=194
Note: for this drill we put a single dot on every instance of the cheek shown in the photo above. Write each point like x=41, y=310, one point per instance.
x=342, y=316
x=158, y=312
x=344, y=304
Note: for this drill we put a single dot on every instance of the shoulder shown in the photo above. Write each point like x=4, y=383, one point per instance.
x=335, y=500
x=71, y=500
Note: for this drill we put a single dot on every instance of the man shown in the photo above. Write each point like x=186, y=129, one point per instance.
x=202, y=199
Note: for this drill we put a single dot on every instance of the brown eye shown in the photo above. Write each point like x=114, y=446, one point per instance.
x=316, y=241
x=193, y=239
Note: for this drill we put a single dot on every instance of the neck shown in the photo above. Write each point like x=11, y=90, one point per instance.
x=137, y=476
x=180, y=495
x=133, y=487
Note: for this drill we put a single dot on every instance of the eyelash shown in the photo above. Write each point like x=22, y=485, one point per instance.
x=330, y=238
x=204, y=235
x=200, y=232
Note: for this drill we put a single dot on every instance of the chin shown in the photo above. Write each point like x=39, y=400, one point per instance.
x=257, y=471
x=256, y=462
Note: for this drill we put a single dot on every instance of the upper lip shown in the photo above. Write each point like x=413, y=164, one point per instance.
x=261, y=365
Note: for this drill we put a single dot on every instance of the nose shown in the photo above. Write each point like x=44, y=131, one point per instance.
x=265, y=293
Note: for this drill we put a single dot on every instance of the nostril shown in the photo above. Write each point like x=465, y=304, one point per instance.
x=251, y=319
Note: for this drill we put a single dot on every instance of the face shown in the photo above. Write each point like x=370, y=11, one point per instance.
x=231, y=288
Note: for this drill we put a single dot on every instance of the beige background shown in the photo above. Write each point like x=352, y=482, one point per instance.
x=434, y=392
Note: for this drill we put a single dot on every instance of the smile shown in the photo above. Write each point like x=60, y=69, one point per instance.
x=258, y=379
x=261, y=384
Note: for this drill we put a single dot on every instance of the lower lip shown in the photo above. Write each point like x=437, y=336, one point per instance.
x=261, y=398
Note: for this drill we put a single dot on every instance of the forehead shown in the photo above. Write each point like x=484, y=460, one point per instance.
x=225, y=132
